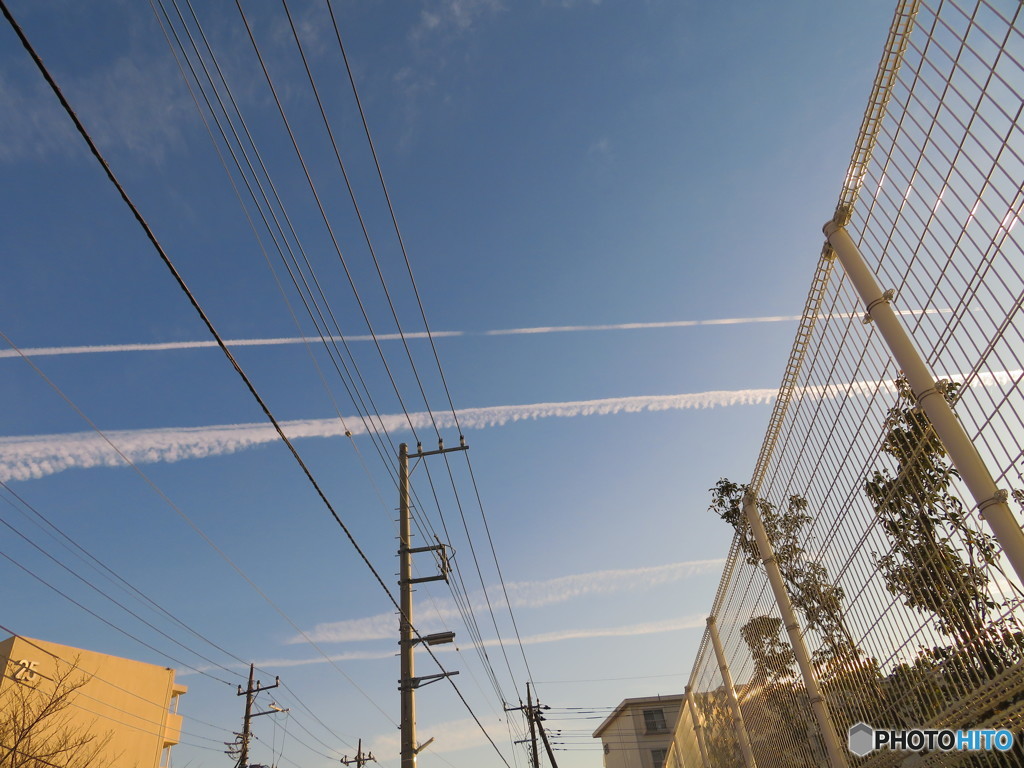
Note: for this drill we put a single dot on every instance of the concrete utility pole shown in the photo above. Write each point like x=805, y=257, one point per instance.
x=533, y=728
x=250, y=696
x=544, y=736
x=535, y=720
x=407, y=639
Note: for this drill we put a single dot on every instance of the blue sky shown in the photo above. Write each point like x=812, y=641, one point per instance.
x=551, y=164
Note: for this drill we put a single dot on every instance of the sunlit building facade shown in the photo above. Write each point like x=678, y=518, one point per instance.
x=129, y=708
x=638, y=733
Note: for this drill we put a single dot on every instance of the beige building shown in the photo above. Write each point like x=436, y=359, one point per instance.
x=130, y=708
x=638, y=733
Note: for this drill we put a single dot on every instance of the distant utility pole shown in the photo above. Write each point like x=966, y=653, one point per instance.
x=533, y=728
x=544, y=736
x=250, y=695
x=527, y=709
x=409, y=682
x=535, y=720
x=360, y=759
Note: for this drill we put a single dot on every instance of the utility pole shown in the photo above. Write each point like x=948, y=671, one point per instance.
x=533, y=728
x=408, y=683
x=360, y=759
x=544, y=737
x=250, y=695
x=535, y=719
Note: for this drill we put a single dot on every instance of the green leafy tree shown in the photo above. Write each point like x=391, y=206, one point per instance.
x=773, y=658
x=807, y=581
x=939, y=564
x=847, y=677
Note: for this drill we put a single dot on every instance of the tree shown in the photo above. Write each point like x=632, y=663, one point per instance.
x=807, y=581
x=847, y=677
x=719, y=728
x=37, y=730
x=773, y=658
x=785, y=719
x=938, y=563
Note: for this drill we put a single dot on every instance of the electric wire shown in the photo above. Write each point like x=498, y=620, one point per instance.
x=326, y=221
x=437, y=359
x=72, y=546
x=355, y=392
x=470, y=622
x=283, y=244
x=123, y=607
x=210, y=327
x=112, y=625
x=223, y=555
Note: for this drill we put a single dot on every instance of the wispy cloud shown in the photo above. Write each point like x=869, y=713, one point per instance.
x=31, y=123
x=35, y=456
x=450, y=736
x=134, y=103
x=371, y=627
x=526, y=331
x=601, y=147
x=571, y=3
x=521, y=594
x=178, y=345
x=678, y=624
x=630, y=630
x=452, y=17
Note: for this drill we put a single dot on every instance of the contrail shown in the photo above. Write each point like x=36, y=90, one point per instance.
x=24, y=458
x=172, y=345
x=284, y=340
x=35, y=456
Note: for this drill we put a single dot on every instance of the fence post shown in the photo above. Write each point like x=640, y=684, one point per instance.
x=836, y=755
x=962, y=452
x=698, y=728
x=730, y=691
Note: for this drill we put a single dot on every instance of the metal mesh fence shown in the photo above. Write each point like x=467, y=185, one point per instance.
x=910, y=611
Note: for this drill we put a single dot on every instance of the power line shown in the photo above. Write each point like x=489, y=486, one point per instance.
x=440, y=370
x=423, y=315
x=70, y=542
x=468, y=617
x=190, y=522
x=312, y=187
x=210, y=327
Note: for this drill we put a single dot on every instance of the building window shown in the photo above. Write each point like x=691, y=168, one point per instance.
x=654, y=721
x=658, y=757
